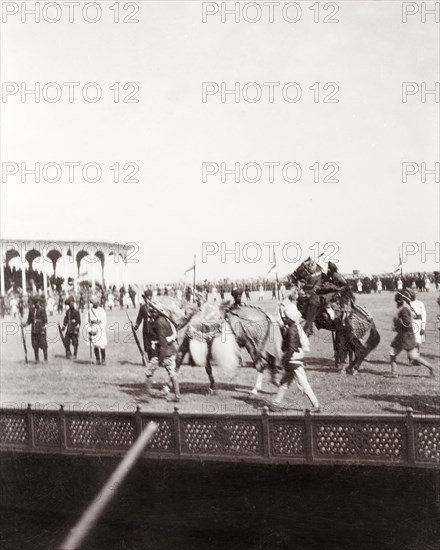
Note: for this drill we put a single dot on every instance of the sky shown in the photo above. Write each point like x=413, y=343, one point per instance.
x=360, y=221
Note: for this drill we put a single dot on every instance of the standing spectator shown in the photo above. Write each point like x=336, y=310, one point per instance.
x=132, y=294
x=21, y=305
x=111, y=300
x=359, y=286
x=379, y=286
x=72, y=322
x=50, y=305
x=60, y=303
x=37, y=318
x=261, y=293
x=214, y=293
x=427, y=283
x=405, y=339
x=97, y=329
x=121, y=297
x=399, y=284
x=283, y=291
x=247, y=292
x=13, y=304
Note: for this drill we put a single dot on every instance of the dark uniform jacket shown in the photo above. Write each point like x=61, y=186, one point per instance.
x=291, y=343
x=404, y=338
x=144, y=316
x=38, y=319
x=72, y=320
x=163, y=330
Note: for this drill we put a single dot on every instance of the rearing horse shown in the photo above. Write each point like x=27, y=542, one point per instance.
x=332, y=307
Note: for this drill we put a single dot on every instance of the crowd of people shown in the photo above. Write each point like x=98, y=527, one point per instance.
x=87, y=307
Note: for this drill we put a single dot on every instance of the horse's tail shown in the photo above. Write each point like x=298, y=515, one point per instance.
x=199, y=352
x=373, y=338
x=225, y=350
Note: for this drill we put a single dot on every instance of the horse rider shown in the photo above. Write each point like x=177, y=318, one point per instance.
x=237, y=293
x=405, y=338
x=295, y=343
x=72, y=322
x=323, y=294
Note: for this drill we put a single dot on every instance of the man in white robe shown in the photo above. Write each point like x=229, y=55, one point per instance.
x=96, y=323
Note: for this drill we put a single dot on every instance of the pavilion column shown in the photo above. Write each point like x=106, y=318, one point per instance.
x=91, y=258
x=23, y=272
x=65, y=271
x=44, y=261
x=73, y=271
x=125, y=271
x=102, y=262
x=2, y=274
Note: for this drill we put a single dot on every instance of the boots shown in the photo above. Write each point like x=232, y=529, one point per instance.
x=103, y=356
x=97, y=356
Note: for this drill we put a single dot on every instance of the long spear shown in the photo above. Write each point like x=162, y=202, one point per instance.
x=23, y=338
x=90, y=326
x=143, y=353
x=194, y=280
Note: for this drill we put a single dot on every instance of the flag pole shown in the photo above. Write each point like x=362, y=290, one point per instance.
x=194, y=280
x=277, y=286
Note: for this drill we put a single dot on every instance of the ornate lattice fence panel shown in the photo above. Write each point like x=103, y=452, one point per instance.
x=164, y=439
x=14, y=428
x=287, y=438
x=427, y=442
x=47, y=431
x=100, y=432
x=360, y=440
x=221, y=436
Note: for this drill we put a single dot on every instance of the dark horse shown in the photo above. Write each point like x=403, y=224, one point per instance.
x=332, y=307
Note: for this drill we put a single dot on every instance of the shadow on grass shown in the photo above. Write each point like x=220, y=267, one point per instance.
x=257, y=402
x=421, y=404
x=139, y=391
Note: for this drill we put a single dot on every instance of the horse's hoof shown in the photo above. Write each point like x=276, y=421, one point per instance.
x=254, y=392
x=212, y=391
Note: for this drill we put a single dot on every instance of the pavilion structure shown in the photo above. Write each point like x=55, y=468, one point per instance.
x=73, y=260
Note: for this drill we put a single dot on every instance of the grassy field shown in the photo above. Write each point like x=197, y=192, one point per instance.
x=120, y=385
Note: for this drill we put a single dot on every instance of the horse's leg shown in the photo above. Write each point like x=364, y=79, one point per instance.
x=258, y=383
x=335, y=342
x=208, y=369
x=182, y=351
x=273, y=370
